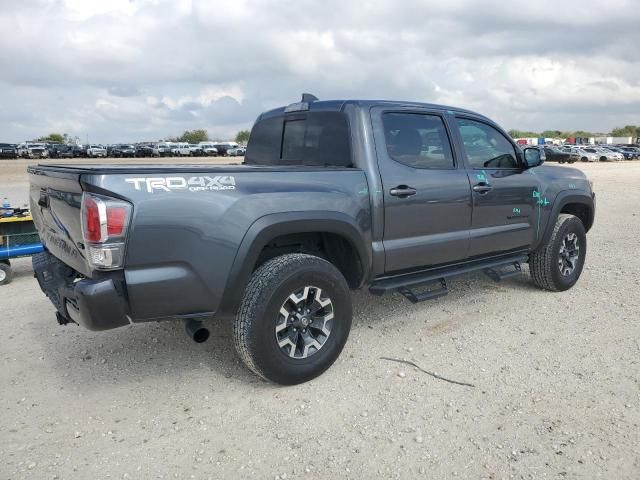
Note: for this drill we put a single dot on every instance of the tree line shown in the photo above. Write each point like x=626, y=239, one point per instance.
x=200, y=135
x=189, y=136
x=626, y=131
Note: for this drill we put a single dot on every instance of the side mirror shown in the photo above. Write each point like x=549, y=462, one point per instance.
x=533, y=157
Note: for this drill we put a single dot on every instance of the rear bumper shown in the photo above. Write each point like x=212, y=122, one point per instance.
x=94, y=304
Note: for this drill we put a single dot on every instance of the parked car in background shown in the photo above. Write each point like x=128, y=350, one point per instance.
x=237, y=151
x=208, y=149
x=196, y=150
x=625, y=155
x=33, y=150
x=144, y=150
x=635, y=151
x=123, y=150
x=573, y=152
x=595, y=153
x=95, y=150
x=60, y=151
x=554, y=154
x=162, y=149
x=223, y=148
x=79, y=151
x=180, y=149
x=611, y=155
x=584, y=155
x=8, y=150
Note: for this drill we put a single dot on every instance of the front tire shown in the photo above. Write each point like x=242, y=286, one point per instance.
x=294, y=319
x=557, y=265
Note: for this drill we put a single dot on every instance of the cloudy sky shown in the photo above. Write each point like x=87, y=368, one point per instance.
x=127, y=70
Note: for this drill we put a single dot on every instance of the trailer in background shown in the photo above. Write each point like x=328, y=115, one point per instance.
x=18, y=238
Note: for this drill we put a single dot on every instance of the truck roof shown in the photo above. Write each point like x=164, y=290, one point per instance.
x=338, y=105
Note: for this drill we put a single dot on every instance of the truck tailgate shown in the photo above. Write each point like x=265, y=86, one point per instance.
x=56, y=198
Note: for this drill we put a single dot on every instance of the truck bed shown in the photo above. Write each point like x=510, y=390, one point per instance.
x=188, y=222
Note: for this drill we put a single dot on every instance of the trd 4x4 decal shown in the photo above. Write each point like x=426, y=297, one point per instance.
x=193, y=184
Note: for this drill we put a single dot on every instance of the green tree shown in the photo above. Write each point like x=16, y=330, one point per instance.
x=522, y=134
x=243, y=136
x=194, y=136
x=581, y=134
x=626, y=131
x=551, y=134
x=53, y=138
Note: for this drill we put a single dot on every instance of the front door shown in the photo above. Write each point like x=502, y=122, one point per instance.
x=427, y=198
x=506, y=196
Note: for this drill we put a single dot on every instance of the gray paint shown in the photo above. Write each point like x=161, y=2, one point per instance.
x=191, y=253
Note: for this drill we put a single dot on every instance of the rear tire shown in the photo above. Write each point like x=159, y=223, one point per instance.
x=273, y=344
x=557, y=265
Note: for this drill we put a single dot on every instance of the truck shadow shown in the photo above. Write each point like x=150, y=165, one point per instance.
x=133, y=354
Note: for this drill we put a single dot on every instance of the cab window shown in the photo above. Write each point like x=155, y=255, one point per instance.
x=417, y=140
x=485, y=146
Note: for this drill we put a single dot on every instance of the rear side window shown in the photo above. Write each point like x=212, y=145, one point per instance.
x=417, y=140
x=314, y=138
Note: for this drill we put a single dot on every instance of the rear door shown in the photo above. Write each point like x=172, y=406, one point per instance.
x=505, y=195
x=427, y=209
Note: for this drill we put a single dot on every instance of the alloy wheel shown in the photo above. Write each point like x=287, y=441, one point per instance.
x=304, y=322
x=569, y=254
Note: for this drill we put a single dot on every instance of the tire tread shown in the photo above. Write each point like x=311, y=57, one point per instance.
x=542, y=260
x=257, y=291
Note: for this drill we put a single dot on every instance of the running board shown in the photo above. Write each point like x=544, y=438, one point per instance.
x=416, y=297
x=498, y=274
x=497, y=269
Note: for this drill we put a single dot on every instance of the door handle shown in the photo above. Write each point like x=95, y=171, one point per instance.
x=482, y=188
x=43, y=201
x=402, y=191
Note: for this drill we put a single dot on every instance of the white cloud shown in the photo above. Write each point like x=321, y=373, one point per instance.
x=121, y=70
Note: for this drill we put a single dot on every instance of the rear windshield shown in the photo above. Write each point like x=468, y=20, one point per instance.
x=313, y=138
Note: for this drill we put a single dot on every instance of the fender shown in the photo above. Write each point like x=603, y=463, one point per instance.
x=268, y=227
x=564, y=198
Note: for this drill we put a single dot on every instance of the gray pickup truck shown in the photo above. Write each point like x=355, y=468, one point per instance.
x=332, y=196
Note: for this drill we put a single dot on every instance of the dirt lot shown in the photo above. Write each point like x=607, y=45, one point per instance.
x=557, y=383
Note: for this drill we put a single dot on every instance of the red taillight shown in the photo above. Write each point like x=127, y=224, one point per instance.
x=104, y=228
x=116, y=218
x=92, y=227
x=104, y=219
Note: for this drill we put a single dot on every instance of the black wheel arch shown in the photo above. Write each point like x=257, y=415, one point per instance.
x=270, y=227
x=581, y=205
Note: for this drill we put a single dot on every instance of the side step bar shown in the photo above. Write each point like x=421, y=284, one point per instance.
x=498, y=273
x=415, y=297
x=496, y=269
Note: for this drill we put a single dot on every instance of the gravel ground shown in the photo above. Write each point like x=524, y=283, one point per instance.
x=556, y=380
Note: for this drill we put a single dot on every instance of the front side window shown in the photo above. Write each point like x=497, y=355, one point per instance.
x=417, y=140
x=486, y=147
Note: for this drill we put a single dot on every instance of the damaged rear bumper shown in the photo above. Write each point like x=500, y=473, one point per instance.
x=96, y=304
